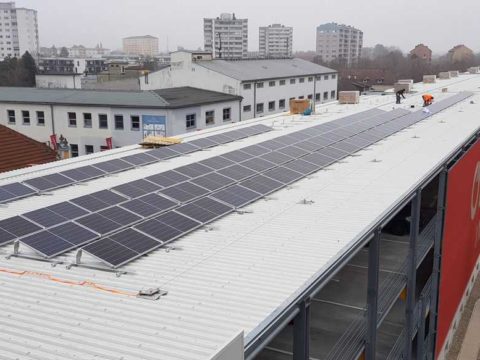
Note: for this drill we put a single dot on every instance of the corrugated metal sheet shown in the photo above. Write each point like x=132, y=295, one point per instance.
x=230, y=276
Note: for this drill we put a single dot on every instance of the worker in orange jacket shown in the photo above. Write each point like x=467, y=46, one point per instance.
x=427, y=99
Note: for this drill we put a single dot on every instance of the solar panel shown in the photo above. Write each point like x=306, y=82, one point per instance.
x=140, y=159
x=158, y=230
x=108, y=197
x=178, y=221
x=157, y=201
x=293, y=151
x=113, y=166
x=237, y=156
x=128, y=190
x=203, y=143
x=73, y=233
x=5, y=237
x=220, y=139
x=99, y=224
x=262, y=184
x=255, y=150
x=302, y=166
x=163, y=153
x=308, y=146
x=120, y=216
x=18, y=189
x=44, y=217
x=59, y=180
x=90, y=203
x=46, y=243
x=284, y=175
x=185, y=148
x=18, y=226
x=135, y=241
x=272, y=144
x=276, y=157
x=258, y=165
x=213, y=181
x=167, y=178
x=346, y=146
x=5, y=195
x=110, y=252
x=67, y=210
x=141, y=208
x=318, y=159
x=237, y=172
x=333, y=153
x=194, y=170
x=217, y=162
x=213, y=206
x=204, y=210
x=83, y=173
x=40, y=183
x=236, y=196
x=184, y=192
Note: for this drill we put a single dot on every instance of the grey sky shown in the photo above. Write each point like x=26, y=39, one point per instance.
x=440, y=24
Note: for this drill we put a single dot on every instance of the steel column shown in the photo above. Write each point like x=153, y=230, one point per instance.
x=372, y=295
x=421, y=332
x=437, y=253
x=412, y=272
x=301, y=333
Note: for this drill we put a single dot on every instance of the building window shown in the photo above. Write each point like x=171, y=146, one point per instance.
x=118, y=122
x=102, y=121
x=325, y=77
x=317, y=96
x=259, y=85
x=310, y=79
x=301, y=80
x=190, y=121
x=247, y=86
x=292, y=81
x=40, y=118
x=74, y=150
x=310, y=97
x=135, y=119
x=281, y=104
x=247, y=108
x=11, y=116
x=146, y=78
x=210, y=117
x=325, y=95
x=318, y=77
x=260, y=108
x=301, y=97
x=26, y=117
x=292, y=98
x=227, y=114
x=72, y=119
x=87, y=120
x=88, y=149
x=332, y=94
x=334, y=76
x=282, y=82
x=271, y=83
x=271, y=106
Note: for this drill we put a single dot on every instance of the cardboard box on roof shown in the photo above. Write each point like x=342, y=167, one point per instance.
x=429, y=79
x=349, y=97
x=298, y=106
x=399, y=86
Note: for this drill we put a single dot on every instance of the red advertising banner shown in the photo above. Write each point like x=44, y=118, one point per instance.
x=53, y=140
x=461, y=238
x=109, y=143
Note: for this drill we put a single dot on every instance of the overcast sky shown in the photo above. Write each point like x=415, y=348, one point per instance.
x=441, y=24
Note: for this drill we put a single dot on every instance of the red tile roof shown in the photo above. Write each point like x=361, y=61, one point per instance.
x=19, y=151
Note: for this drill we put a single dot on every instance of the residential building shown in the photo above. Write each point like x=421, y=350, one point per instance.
x=59, y=80
x=460, y=53
x=266, y=85
x=226, y=36
x=18, y=31
x=421, y=52
x=146, y=45
x=338, y=42
x=275, y=41
x=365, y=79
x=18, y=151
x=59, y=65
x=86, y=118
x=80, y=51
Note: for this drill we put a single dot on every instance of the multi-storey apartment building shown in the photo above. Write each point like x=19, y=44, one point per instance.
x=275, y=40
x=18, y=31
x=226, y=36
x=339, y=42
x=146, y=45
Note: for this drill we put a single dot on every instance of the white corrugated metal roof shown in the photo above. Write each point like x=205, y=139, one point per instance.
x=233, y=276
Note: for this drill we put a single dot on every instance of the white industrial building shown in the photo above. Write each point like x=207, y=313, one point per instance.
x=86, y=118
x=306, y=269
x=275, y=40
x=266, y=85
x=226, y=36
x=338, y=42
x=18, y=31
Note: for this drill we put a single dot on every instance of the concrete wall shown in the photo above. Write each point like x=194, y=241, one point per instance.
x=59, y=81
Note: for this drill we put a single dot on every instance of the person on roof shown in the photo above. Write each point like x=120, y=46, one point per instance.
x=427, y=99
x=400, y=94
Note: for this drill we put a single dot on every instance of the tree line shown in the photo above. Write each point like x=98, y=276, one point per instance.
x=18, y=72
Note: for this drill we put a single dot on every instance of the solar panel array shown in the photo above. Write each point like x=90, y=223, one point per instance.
x=37, y=185
x=135, y=218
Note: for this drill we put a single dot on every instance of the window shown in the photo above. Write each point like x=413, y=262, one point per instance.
x=146, y=78
x=271, y=106
x=210, y=117
x=301, y=97
x=318, y=77
x=260, y=108
x=227, y=114
x=40, y=118
x=26, y=117
x=301, y=80
x=317, y=96
x=310, y=97
x=325, y=95
x=118, y=122
x=102, y=121
x=325, y=77
x=281, y=104
x=292, y=81
x=332, y=94
x=310, y=79
x=72, y=119
x=247, y=86
x=88, y=149
x=247, y=108
x=271, y=83
x=281, y=82
x=74, y=150
x=190, y=121
x=135, y=119
x=259, y=85
x=87, y=120
x=334, y=76
x=11, y=116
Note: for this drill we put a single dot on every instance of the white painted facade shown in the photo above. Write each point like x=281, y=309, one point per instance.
x=275, y=40
x=186, y=72
x=226, y=36
x=82, y=135
x=66, y=81
x=339, y=42
x=141, y=45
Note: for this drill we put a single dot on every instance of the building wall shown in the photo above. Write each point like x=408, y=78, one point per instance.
x=96, y=136
x=27, y=31
x=141, y=45
x=226, y=36
x=58, y=81
x=275, y=40
x=341, y=42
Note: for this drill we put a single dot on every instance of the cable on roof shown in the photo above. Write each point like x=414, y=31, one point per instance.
x=85, y=283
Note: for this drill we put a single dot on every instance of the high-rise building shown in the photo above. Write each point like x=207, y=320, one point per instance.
x=421, y=52
x=339, y=42
x=18, y=31
x=146, y=45
x=226, y=36
x=275, y=40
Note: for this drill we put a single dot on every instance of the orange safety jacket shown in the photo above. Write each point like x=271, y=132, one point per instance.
x=427, y=97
